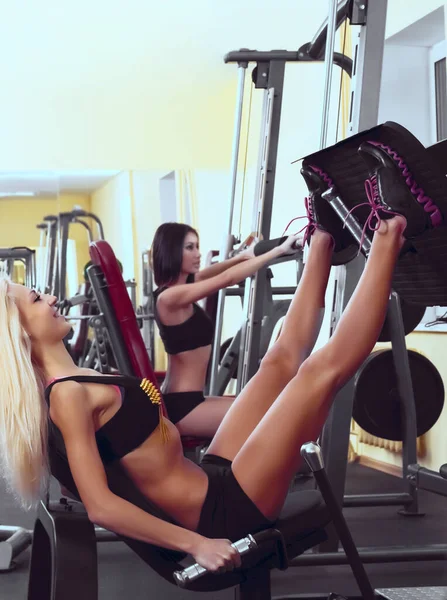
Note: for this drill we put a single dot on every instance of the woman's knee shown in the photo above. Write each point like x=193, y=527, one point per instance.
x=321, y=368
x=279, y=361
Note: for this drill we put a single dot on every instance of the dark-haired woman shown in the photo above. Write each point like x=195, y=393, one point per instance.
x=185, y=328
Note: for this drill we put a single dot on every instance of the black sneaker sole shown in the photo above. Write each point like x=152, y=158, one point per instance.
x=346, y=248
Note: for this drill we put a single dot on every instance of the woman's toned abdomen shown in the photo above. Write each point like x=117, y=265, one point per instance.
x=187, y=371
x=169, y=480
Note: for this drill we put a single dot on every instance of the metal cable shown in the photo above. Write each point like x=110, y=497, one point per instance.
x=245, y=162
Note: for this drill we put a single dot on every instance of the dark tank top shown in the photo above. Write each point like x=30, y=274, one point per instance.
x=195, y=332
x=139, y=415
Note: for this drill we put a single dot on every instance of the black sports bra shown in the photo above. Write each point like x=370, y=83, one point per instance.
x=195, y=332
x=138, y=416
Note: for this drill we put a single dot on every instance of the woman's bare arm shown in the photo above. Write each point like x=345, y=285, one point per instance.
x=182, y=295
x=220, y=267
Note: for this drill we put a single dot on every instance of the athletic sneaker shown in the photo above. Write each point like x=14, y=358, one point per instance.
x=391, y=189
x=322, y=216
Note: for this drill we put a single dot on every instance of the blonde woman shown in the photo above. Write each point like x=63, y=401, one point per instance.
x=241, y=484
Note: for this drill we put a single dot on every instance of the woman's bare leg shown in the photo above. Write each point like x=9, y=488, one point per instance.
x=298, y=335
x=204, y=419
x=270, y=457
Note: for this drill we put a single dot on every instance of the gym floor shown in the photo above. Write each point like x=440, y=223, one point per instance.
x=123, y=575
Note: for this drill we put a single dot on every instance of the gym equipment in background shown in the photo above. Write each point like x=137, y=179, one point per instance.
x=22, y=257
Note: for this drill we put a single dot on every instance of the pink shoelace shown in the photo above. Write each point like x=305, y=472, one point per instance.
x=310, y=226
x=372, y=194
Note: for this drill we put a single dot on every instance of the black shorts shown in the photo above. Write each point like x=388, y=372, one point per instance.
x=180, y=404
x=227, y=511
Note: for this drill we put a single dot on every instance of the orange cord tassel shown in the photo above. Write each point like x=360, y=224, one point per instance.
x=155, y=397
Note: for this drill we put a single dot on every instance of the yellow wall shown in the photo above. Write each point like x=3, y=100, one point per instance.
x=142, y=92
x=146, y=205
x=127, y=126
x=19, y=217
x=129, y=207
x=112, y=204
x=149, y=90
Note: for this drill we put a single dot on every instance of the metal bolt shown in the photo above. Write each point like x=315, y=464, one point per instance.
x=362, y=7
x=264, y=74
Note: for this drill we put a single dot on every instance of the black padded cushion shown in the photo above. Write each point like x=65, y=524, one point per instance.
x=420, y=276
x=302, y=524
x=302, y=514
x=438, y=152
x=443, y=471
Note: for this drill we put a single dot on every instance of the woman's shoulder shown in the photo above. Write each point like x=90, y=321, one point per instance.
x=67, y=388
x=156, y=293
x=163, y=288
x=69, y=402
x=165, y=296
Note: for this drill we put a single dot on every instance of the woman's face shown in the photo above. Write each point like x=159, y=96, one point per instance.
x=191, y=254
x=38, y=314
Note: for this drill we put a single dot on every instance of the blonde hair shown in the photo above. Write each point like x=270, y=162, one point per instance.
x=23, y=410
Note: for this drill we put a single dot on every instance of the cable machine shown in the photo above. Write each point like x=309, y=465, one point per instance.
x=268, y=75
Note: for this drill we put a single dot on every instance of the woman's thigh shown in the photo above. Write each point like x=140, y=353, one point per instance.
x=204, y=419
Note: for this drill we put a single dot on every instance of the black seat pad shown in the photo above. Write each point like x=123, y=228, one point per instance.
x=303, y=511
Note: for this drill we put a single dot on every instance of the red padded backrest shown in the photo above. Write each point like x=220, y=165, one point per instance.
x=103, y=256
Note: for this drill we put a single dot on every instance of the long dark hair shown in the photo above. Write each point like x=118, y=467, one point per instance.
x=167, y=252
